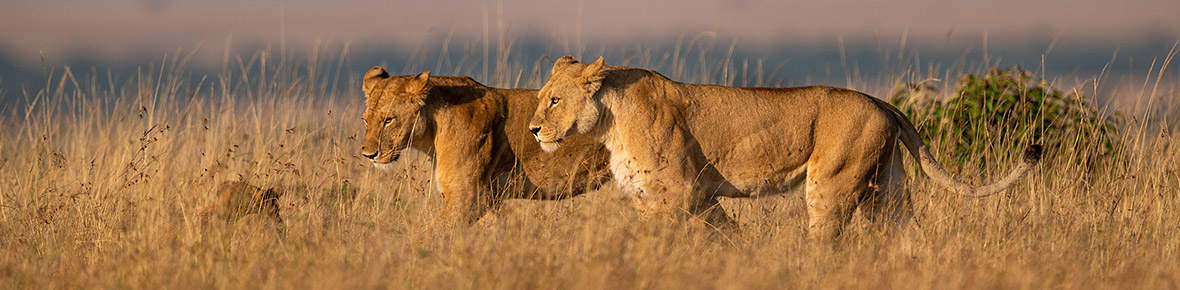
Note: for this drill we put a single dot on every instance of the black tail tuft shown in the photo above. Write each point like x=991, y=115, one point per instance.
x=1032, y=154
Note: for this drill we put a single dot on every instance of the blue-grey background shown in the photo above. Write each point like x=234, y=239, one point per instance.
x=798, y=42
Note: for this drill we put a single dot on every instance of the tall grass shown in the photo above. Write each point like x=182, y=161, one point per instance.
x=105, y=176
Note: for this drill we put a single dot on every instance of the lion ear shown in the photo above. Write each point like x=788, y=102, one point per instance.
x=594, y=74
x=563, y=62
x=418, y=83
x=594, y=68
x=372, y=76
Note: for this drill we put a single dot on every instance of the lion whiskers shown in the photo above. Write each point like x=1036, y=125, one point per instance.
x=549, y=147
x=383, y=166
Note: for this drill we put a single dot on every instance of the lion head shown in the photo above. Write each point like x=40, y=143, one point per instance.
x=567, y=102
x=391, y=117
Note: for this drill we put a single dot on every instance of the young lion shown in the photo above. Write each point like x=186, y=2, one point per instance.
x=238, y=200
x=477, y=137
x=677, y=147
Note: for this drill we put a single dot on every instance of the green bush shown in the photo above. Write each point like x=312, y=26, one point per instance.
x=1004, y=111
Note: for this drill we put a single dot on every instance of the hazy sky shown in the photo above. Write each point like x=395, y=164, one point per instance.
x=116, y=31
x=118, y=27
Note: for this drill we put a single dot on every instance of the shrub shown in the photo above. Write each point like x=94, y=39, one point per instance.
x=1006, y=110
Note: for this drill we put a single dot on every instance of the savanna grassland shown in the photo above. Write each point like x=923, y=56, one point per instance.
x=105, y=178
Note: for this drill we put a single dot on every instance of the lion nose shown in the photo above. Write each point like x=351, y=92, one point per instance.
x=365, y=152
x=535, y=130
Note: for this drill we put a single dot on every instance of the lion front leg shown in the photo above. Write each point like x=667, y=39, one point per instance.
x=657, y=201
x=462, y=173
x=650, y=202
x=465, y=197
x=460, y=208
x=710, y=211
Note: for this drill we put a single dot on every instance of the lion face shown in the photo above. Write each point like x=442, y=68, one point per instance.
x=567, y=102
x=391, y=117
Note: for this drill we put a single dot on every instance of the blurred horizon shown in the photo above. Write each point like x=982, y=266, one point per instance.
x=809, y=43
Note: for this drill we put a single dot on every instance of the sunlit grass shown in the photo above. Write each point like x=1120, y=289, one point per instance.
x=105, y=177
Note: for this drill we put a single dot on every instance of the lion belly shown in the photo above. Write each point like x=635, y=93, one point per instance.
x=755, y=183
x=767, y=157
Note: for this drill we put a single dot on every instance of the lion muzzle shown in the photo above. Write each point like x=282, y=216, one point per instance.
x=367, y=154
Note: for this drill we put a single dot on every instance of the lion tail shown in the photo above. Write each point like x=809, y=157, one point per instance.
x=909, y=136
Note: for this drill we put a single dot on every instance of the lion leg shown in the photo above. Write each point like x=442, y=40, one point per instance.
x=829, y=208
x=832, y=195
x=459, y=208
x=466, y=197
x=664, y=201
x=653, y=202
x=713, y=214
x=466, y=207
x=461, y=172
x=888, y=205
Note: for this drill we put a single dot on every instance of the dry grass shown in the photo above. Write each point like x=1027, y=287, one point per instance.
x=104, y=181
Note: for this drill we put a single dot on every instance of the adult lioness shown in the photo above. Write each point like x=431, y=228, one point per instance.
x=477, y=137
x=676, y=147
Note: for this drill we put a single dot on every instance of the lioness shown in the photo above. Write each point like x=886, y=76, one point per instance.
x=677, y=147
x=477, y=137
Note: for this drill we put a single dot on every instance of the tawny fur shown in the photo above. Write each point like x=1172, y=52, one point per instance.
x=237, y=200
x=677, y=147
x=477, y=137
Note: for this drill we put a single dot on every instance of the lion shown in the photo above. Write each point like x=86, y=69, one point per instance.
x=677, y=147
x=238, y=200
x=477, y=137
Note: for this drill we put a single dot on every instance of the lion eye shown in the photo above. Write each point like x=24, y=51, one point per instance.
x=388, y=121
x=554, y=101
